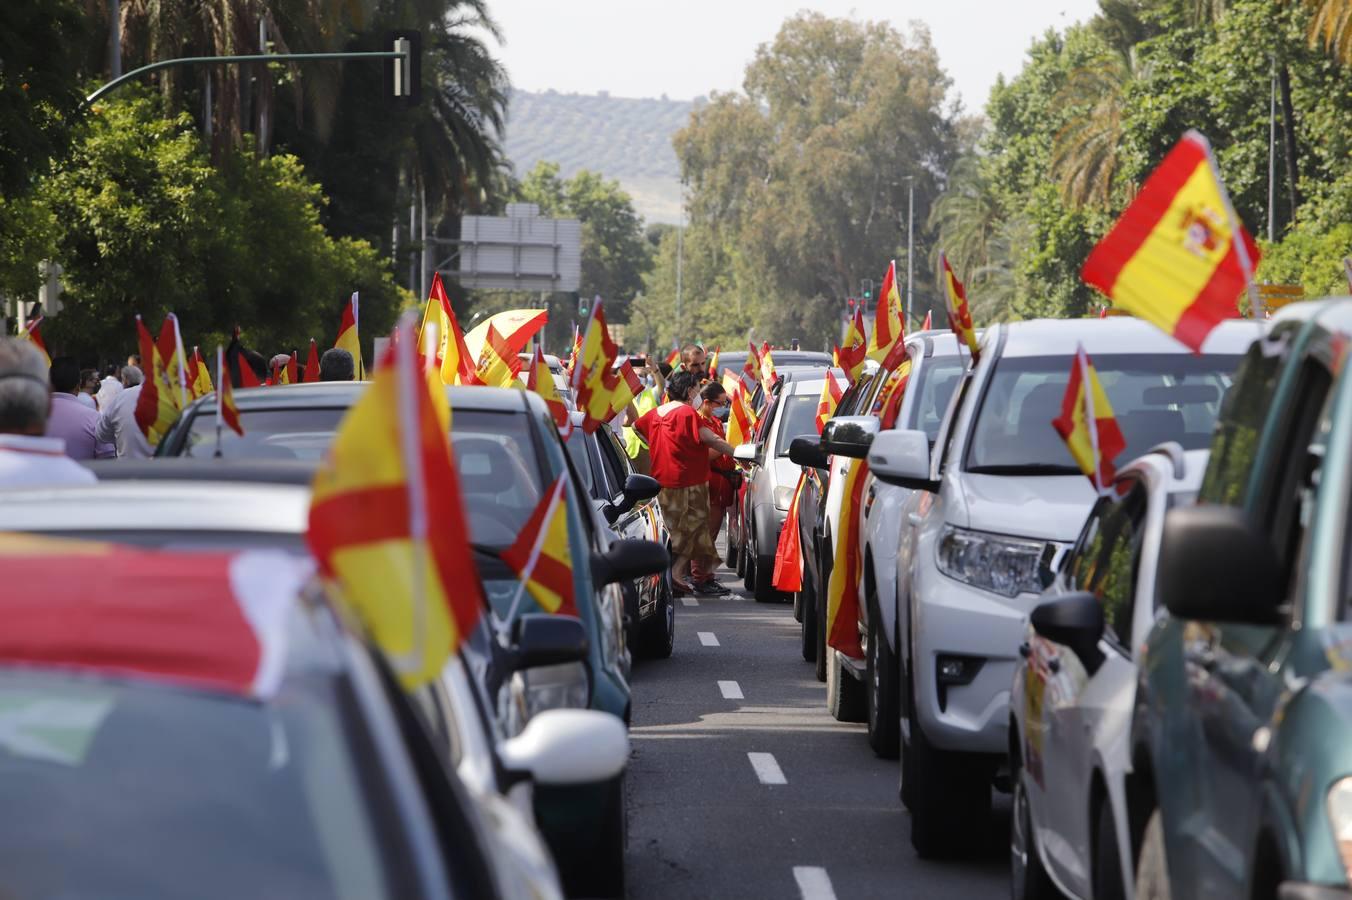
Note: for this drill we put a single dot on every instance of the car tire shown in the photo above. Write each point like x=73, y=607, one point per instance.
x=1028, y=880
x=798, y=605
x=906, y=774
x=819, y=596
x=1107, y=871
x=749, y=567
x=762, y=589
x=845, y=695
x=1152, y=869
x=950, y=798
x=880, y=689
x=737, y=559
x=603, y=874
x=808, y=631
x=657, y=634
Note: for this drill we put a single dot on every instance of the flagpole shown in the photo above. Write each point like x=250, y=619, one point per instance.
x=220, y=357
x=405, y=352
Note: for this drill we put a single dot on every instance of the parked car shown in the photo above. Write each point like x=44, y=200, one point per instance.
x=771, y=481
x=997, y=503
x=627, y=501
x=1241, y=739
x=1070, y=713
x=289, y=421
x=784, y=359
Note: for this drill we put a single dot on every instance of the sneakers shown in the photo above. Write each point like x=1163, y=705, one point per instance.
x=710, y=588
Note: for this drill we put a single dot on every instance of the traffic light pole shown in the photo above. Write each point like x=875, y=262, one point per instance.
x=401, y=54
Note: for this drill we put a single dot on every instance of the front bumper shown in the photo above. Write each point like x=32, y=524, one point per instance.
x=1296, y=890
x=953, y=618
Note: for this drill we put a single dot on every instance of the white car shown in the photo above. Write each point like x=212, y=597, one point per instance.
x=999, y=500
x=1074, y=690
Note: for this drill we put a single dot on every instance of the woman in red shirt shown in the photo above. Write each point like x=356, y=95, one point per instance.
x=722, y=470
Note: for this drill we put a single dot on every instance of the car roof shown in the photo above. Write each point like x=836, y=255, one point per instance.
x=808, y=385
x=139, y=505
x=1115, y=334
x=938, y=342
x=1333, y=313
x=1179, y=470
x=196, y=468
x=317, y=395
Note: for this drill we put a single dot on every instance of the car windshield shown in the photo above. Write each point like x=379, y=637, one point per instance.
x=939, y=378
x=1155, y=398
x=500, y=474
x=577, y=450
x=797, y=415
x=268, y=434
x=119, y=790
x=182, y=540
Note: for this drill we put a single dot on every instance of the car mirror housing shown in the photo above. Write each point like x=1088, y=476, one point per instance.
x=637, y=488
x=902, y=458
x=629, y=559
x=806, y=450
x=1075, y=621
x=544, y=639
x=744, y=452
x=569, y=746
x=849, y=436
x=1217, y=566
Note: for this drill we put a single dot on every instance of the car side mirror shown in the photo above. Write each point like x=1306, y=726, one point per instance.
x=1075, y=621
x=1217, y=566
x=629, y=559
x=569, y=746
x=849, y=436
x=543, y=639
x=806, y=450
x=637, y=488
x=744, y=452
x=902, y=458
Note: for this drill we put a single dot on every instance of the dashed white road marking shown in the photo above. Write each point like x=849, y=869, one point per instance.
x=731, y=690
x=707, y=638
x=767, y=770
x=689, y=601
x=813, y=883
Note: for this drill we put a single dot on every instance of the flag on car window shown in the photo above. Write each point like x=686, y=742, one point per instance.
x=713, y=364
x=741, y=421
x=349, y=338
x=33, y=334
x=847, y=569
x=226, y=412
x=832, y=391
x=929, y=320
x=498, y=364
x=540, y=380
x=199, y=376
x=387, y=520
x=854, y=351
x=767, y=367
x=161, y=398
x=452, y=357
x=959, y=313
x=515, y=328
x=311, y=375
x=577, y=349
x=788, y=573
x=1178, y=256
x=594, y=378
x=540, y=556
x=627, y=388
x=889, y=331
x=888, y=402
x=1087, y=424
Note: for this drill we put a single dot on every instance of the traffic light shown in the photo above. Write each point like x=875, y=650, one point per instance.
x=403, y=77
x=868, y=290
x=583, y=308
x=849, y=306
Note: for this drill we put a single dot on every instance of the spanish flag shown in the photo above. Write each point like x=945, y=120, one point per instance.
x=387, y=523
x=540, y=556
x=888, y=342
x=751, y=369
x=929, y=320
x=847, y=569
x=855, y=350
x=577, y=349
x=788, y=573
x=349, y=339
x=959, y=313
x=33, y=334
x=541, y=381
x=767, y=368
x=498, y=363
x=741, y=421
x=594, y=381
x=199, y=376
x=713, y=364
x=160, y=400
x=1087, y=424
x=227, y=413
x=452, y=357
x=832, y=391
x=1178, y=257
x=627, y=387
x=674, y=355
x=515, y=328
x=312, y=364
x=888, y=402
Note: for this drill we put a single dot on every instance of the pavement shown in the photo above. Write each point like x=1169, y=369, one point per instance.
x=741, y=785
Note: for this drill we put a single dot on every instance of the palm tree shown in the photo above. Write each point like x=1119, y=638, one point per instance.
x=1085, y=157
x=1331, y=20
x=966, y=217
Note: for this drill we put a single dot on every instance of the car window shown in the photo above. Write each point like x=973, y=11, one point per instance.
x=1155, y=398
x=1234, y=446
x=797, y=415
x=268, y=434
x=766, y=417
x=1298, y=461
x=501, y=478
x=614, y=468
x=577, y=452
x=102, y=778
x=1105, y=558
x=939, y=378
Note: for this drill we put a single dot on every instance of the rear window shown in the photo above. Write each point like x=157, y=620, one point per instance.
x=938, y=380
x=303, y=434
x=501, y=477
x=119, y=791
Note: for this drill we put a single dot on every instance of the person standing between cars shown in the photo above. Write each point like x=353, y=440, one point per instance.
x=27, y=457
x=678, y=444
x=722, y=471
x=336, y=365
x=109, y=387
x=71, y=420
x=117, y=424
x=694, y=361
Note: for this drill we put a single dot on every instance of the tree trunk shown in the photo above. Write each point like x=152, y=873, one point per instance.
x=1289, y=140
x=114, y=39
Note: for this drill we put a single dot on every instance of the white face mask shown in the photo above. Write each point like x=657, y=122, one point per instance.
x=697, y=402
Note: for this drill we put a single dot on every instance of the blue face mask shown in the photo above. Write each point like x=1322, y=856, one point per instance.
x=722, y=413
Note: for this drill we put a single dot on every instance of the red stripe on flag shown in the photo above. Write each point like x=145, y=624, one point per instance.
x=1212, y=306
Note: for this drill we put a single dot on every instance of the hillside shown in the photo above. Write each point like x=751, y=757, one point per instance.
x=622, y=138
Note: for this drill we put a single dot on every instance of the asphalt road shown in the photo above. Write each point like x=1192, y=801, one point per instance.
x=741, y=785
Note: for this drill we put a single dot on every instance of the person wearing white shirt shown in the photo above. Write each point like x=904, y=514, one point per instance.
x=117, y=424
x=27, y=459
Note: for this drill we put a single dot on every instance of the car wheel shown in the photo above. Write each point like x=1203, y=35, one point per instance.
x=819, y=592
x=808, y=631
x=749, y=567
x=1027, y=878
x=603, y=874
x=950, y=798
x=906, y=788
x=1107, y=861
x=798, y=605
x=880, y=683
x=845, y=698
x=764, y=591
x=657, y=635
x=737, y=559
x=1152, y=870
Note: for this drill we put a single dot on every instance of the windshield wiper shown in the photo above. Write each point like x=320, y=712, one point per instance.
x=1031, y=469
x=485, y=550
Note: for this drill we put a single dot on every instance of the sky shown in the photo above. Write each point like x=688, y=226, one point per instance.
x=685, y=49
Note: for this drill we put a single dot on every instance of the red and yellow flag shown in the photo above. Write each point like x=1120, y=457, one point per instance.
x=312, y=364
x=1178, y=257
x=741, y=421
x=674, y=355
x=713, y=364
x=959, y=313
x=594, y=379
x=161, y=398
x=387, y=521
x=929, y=320
x=498, y=363
x=628, y=386
x=227, y=413
x=33, y=334
x=199, y=376
x=832, y=391
x=541, y=381
x=452, y=356
x=767, y=368
x=540, y=556
x=788, y=574
x=887, y=405
x=349, y=338
x=855, y=350
x=847, y=569
x=751, y=369
x=515, y=328
x=889, y=322
x=1087, y=424
x=577, y=349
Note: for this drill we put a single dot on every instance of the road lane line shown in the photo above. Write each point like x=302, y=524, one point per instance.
x=731, y=690
x=707, y=638
x=689, y=601
x=813, y=883
x=767, y=770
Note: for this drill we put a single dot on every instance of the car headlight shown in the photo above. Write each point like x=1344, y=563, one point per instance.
x=539, y=688
x=783, y=496
x=1340, y=817
x=1002, y=565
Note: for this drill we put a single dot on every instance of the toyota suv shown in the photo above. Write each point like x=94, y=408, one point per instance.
x=996, y=504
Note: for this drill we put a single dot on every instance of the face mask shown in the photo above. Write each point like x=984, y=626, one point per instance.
x=650, y=381
x=721, y=414
x=697, y=402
